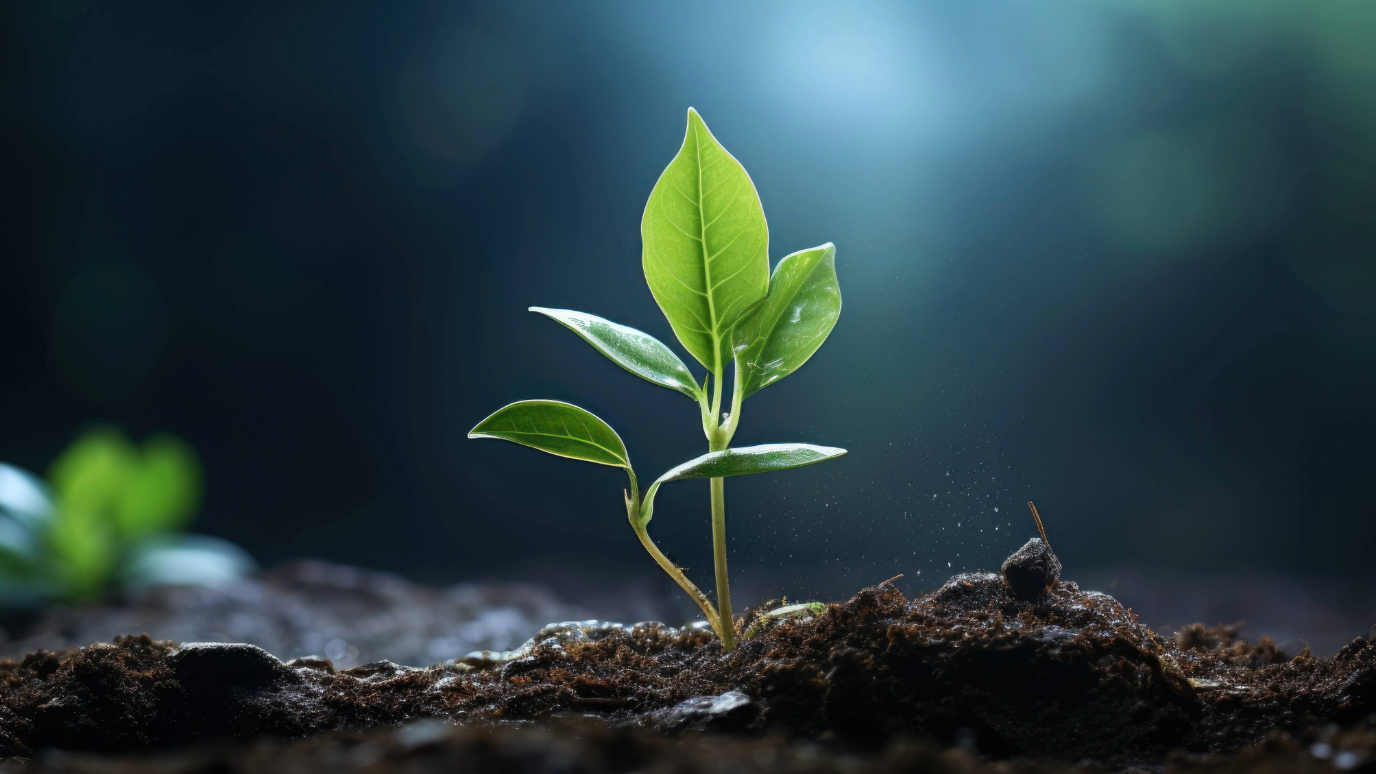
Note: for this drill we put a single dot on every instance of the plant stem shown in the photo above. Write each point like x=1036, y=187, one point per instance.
x=677, y=575
x=718, y=440
x=726, y=628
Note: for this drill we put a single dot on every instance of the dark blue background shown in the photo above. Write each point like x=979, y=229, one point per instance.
x=1115, y=257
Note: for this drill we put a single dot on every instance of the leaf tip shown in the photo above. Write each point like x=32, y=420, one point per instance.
x=695, y=119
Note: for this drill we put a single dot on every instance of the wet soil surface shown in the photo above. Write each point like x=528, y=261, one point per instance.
x=347, y=614
x=1019, y=665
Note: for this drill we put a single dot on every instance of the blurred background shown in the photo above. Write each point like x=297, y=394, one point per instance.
x=1115, y=257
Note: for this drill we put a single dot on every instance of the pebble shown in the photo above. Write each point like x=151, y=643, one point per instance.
x=1031, y=569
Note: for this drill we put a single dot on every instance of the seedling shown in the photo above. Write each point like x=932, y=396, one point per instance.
x=112, y=512
x=706, y=259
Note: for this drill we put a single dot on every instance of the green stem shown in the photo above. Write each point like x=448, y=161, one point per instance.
x=717, y=440
x=676, y=574
x=726, y=625
x=639, y=513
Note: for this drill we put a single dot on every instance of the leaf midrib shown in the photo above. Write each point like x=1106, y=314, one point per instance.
x=702, y=247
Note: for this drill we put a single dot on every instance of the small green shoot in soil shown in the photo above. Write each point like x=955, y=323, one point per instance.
x=706, y=259
x=111, y=514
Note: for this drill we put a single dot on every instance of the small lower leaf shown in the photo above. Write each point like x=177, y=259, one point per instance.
x=24, y=497
x=556, y=427
x=185, y=560
x=745, y=461
x=748, y=460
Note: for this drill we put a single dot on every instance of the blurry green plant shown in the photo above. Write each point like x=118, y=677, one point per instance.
x=110, y=514
x=706, y=260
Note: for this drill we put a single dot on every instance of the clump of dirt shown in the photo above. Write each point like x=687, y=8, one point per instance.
x=1016, y=664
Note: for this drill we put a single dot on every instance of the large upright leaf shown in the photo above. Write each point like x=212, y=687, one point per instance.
x=558, y=428
x=780, y=335
x=706, y=245
x=744, y=461
x=637, y=352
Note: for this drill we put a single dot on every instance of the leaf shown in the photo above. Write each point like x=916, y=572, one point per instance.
x=780, y=335
x=706, y=245
x=82, y=551
x=19, y=548
x=162, y=492
x=185, y=560
x=558, y=428
x=747, y=460
x=92, y=472
x=637, y=352
x=24, y=497
x=744, y=461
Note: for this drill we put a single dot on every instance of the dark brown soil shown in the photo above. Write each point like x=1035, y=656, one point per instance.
x=574, y=745
x=315, y=608
x=1051, y=672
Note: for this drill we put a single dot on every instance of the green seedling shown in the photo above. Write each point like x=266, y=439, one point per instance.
x=799, y=611
x=111, y=512
x=706, y=260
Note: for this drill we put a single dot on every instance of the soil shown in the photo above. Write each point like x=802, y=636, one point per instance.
x=1019, y=666
x=574, y=745
x=351, y=615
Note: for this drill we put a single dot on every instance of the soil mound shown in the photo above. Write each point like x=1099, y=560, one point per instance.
x=1051, y=672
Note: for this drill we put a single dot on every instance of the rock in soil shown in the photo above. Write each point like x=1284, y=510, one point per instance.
x=1065, y=674
x=1031, y=569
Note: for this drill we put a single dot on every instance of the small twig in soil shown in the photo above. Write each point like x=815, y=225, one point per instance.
x=1040, y=528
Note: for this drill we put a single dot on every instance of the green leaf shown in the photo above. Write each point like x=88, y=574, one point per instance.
x=558, y=428
x=637, y=352
x=82, y=551
x=184, y=560
x=92, y=472
x=744, y=461
x=162, y=492
x=19, y=548
x=747, y=460
x=706, y=245
x=801, y=309
x=24, y=497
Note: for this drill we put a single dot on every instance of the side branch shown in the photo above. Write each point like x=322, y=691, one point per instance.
x=677, y=575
